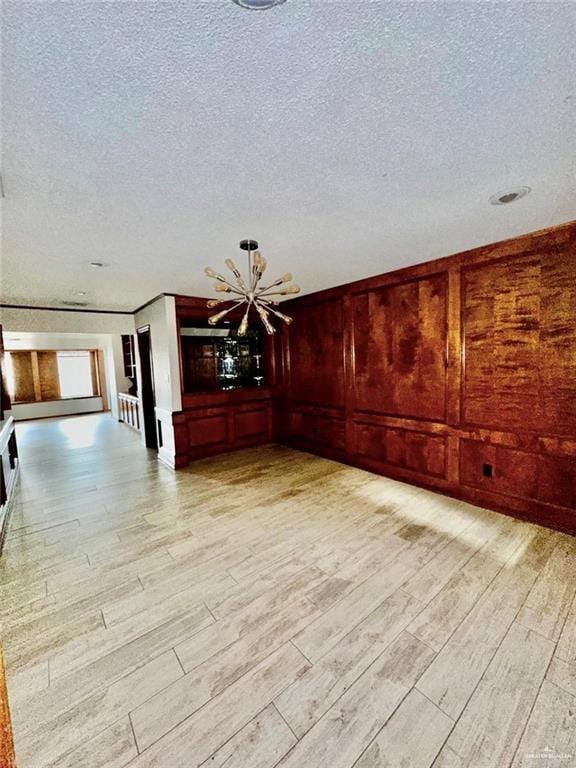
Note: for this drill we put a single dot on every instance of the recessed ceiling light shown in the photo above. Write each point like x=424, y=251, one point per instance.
x=510, y=196
x=81, y=293
x=258, y=5
x=98, y=264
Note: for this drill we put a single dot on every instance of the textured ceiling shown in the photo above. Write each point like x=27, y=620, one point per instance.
x=350, y=138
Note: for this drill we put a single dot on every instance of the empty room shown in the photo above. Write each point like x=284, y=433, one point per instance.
x=288, y=384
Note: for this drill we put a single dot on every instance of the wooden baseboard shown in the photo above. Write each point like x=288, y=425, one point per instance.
x=7, y=757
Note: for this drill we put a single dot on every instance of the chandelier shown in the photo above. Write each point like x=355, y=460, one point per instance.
x=248, y=291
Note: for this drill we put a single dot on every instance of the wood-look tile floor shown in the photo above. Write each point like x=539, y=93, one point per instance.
x=270, y=608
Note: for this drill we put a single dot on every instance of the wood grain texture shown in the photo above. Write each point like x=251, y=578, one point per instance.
x=400, y=348
x=458, y=374
x=316, y=355
x=490, y=727
x=218, y=422
x=551, y=733
x=395, y=745
x=313, y=614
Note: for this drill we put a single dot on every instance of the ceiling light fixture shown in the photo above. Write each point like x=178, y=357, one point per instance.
x=258, y=5
x=503, y=198
x=97, y=264
x=247, y=291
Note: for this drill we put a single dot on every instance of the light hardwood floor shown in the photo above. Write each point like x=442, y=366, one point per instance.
x=270, y=608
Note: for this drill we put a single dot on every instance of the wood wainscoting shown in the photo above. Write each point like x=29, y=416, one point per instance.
x=218, y=422
x=457, y=375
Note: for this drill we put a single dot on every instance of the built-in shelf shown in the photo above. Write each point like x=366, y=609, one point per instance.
x=129, y=356
x=219, y=360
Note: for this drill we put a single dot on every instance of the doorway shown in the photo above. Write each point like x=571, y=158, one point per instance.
x=147, y=387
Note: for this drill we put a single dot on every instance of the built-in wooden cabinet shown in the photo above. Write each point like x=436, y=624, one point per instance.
x=227, y=384
x=217, y=359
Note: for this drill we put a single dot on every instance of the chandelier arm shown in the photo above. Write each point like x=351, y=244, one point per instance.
x=264, y=317
x=237, y=292
x=232, y=287
x=268, y=287
x=281, y=315
x=211, y=303
x=217, y=317
x=243, y=327
x=265, y=295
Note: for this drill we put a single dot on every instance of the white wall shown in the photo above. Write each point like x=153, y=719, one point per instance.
x=109, y=344
x=160, y=316
x=49, y=408
x=54, y=329
x=57, y=321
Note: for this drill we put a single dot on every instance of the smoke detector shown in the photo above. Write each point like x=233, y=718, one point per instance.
x=510, y=196
x=258, y=5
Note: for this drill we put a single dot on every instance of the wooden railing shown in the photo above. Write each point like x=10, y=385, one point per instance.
x=128, y=410
x=8, y=474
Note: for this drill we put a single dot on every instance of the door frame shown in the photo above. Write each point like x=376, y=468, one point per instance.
x=147, y=391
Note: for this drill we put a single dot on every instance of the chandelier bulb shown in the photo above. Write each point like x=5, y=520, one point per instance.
x=244, y=323
x=232, y=267
x=215, y=318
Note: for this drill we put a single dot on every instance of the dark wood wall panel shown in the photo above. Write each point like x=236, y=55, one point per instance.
x=500, y=309
x=321, y=430
x=208, y=429
x=557, y=343
x=557, y=480
x=315, y=339
x=399, y=342
x=407, y=449
x=218, y=422
x=518, y=323
x=513, y=472
x=252, y=423
x=458, y=374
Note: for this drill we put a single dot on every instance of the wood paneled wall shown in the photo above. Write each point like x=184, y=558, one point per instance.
x=458, y=374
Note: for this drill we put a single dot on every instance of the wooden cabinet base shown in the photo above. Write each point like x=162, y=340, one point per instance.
x=222, y=422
